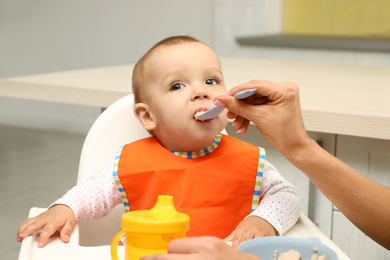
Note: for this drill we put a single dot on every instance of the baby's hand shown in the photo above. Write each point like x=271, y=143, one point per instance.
x=249, y=228
x=59, y=217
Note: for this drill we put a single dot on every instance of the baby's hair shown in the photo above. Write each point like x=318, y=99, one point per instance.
x=138, y=78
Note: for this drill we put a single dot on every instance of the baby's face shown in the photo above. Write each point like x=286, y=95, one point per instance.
x=184, y=79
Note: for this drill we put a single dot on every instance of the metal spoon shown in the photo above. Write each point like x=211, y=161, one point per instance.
x=216, y=110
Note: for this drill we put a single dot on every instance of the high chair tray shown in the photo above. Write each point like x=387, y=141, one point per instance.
x=56, y=249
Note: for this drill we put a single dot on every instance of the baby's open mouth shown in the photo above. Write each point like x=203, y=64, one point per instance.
x=199, y=112
x=196, y=116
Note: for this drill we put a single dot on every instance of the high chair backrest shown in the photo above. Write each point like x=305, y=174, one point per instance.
x=116, y=126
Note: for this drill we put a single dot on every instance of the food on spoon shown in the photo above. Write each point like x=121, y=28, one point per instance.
x=198, y=114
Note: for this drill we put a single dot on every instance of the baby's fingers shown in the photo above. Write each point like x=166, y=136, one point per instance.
x=229, y=238
x=67, y=231
x=245, y=236
x=47, y=231
x=28, y=227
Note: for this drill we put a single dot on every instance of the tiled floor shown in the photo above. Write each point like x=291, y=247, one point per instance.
x=36, y=167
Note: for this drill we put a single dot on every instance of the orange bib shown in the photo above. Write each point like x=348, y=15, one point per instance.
x=215, y=190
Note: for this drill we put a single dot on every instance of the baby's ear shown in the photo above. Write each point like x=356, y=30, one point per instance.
x=144, y=116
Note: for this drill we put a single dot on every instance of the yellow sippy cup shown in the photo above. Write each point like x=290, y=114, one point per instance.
x=149, y=232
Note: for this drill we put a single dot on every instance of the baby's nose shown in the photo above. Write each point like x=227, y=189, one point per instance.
x=200, y=93
x=201, y=96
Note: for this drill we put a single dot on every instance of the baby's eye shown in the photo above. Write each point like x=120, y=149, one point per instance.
x=211, y=82
x=177, y=86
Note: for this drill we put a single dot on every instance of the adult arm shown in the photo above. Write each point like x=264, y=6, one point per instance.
x=364, y=202
x=276, y=112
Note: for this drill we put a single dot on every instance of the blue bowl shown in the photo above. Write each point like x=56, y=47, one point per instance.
x=264, y=247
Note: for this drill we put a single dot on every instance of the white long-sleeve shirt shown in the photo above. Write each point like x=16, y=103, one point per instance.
x=279, y=200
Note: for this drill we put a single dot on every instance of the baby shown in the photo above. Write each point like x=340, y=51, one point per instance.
x=224, y=184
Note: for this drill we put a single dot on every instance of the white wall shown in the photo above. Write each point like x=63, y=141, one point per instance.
x=244, y=18
x=40, y=36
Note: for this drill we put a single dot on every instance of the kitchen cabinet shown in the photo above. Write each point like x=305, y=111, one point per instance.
x=369, y=156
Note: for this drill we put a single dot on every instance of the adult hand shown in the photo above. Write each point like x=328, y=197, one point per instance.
x=201, y=248
x=274, y=109
x=58, y=218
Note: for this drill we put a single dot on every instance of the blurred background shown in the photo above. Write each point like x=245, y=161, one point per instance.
x=40, y=141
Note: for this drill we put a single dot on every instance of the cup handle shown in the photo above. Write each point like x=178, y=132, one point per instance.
x=114, y=245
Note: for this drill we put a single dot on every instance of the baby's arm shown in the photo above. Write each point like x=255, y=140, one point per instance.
x=93, y=199
x=90, y=200
x=279, y=201
x=278, y=210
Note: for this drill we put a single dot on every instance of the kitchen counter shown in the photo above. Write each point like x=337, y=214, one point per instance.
x=335, y=98
x=338, y=42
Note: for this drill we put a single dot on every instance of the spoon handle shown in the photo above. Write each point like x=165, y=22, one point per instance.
x=216, y=110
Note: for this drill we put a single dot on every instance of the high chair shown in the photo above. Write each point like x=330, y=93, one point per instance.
x=116, y=126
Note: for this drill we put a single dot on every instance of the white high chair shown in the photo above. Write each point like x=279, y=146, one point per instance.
x=116, y=126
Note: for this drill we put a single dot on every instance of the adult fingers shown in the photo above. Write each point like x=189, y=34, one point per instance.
x=195, y=244
x=243, y=129
x=185, y=246
x=266, y=90
x=237, y=108
x=238, y=122
x=171, y=257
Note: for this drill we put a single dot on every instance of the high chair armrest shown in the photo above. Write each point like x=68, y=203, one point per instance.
x=29, y=248
x=56, y=249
